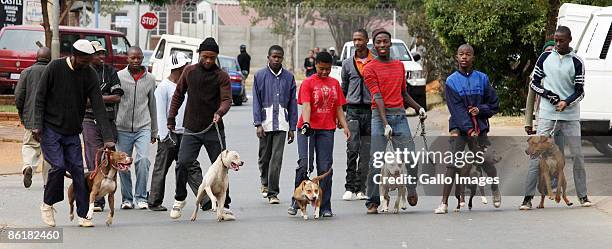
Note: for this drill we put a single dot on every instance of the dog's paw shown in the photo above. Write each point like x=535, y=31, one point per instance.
x=316, y=216
x=193, y=217
x=558, y=198
x=484, y=200
x=462, y=204
x=305, y=217
x=109, y=221
x=540, y=206
x=456, y=210
x=396, y=210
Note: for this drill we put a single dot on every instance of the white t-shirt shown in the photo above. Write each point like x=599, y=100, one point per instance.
x=163, y=99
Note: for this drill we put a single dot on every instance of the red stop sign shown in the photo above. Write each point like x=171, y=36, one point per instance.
x=149, y=20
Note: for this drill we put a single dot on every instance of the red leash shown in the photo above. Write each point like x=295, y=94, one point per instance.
x=98, y=157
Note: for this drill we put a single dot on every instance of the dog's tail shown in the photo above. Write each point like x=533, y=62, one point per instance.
x=318, y=178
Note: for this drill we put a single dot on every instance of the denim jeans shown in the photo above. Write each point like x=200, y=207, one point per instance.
x=320, y=143
x=358, y=148
x=571, y=135
x=401, y=138
x=126, y=142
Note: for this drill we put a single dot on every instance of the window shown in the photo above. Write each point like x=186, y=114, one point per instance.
x=66, y=41
x=120, y=45
x=188, y=13
x=99, y=38
x=162, y=25
x=120, y=22
x=21, y=40
x=606, y=45
x=160, y=49
x=188, y=53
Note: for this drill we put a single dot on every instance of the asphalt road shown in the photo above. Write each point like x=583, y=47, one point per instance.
x=261, y=225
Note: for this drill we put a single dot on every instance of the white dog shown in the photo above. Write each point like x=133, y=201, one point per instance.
x=216, y=182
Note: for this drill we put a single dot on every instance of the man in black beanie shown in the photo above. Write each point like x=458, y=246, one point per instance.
x=210, y=97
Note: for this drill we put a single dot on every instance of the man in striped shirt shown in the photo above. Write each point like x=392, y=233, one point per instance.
x=559, y=79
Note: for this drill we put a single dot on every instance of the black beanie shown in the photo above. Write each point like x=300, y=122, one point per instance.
x=379, y=31
x=209, y=45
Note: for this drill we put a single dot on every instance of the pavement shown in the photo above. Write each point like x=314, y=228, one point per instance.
x=261, y=225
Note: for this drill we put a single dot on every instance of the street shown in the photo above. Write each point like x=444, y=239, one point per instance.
x=261, y=225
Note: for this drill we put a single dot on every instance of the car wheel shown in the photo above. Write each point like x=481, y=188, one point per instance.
x=237, y=100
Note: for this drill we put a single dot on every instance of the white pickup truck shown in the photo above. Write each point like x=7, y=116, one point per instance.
x=591, y=28
x=399, y=51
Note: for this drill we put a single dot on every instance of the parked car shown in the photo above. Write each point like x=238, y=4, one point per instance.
x=18, y=46
x=399, y=51
x=591, y=28
x=231, y=66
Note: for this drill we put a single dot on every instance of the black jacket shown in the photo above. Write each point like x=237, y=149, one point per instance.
x=25, y=92
x=244, y=60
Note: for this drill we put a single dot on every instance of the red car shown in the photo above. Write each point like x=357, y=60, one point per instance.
x=18, y=46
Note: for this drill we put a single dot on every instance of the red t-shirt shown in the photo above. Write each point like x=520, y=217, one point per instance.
x=388, y=79
x=324, y=96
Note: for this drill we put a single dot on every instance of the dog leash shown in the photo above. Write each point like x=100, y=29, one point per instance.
x=204, y=131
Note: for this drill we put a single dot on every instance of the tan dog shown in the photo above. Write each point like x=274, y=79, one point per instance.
x=552, y=163
x=103, y=182
x=309, y=191
x=392, y=170
x=216, y=182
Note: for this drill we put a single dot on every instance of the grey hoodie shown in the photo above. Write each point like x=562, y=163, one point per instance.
x=137, y=109
x=353, y=86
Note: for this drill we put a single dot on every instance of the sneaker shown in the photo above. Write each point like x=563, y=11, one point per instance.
x=47, y=213
x=442, y=209
x=143, y=205
x=349, y=196
x=496, y=199
x=361, y=196
x=526, y=203
x=176, y=209
x=127, y=205
x=373, y=209
x=292, y=211
x=273, y=200
x=264, y=191
x=584, y=201
x=85, y=222
x=158, y=208
x=27, y=177
x=327, y=214
x=98, y=207
x=228, y=217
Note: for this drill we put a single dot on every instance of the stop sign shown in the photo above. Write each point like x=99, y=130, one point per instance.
x=149, y=20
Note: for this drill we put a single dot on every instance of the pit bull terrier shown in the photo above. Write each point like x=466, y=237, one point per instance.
x=309, y=191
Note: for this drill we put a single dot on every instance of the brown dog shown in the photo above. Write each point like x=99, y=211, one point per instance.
x=552, y=163
x=309, y=191
x=103, y=181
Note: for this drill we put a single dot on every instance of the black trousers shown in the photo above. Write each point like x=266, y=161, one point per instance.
x=188, y=154
x=167, y=153
x=270, y=161
x=358, y=149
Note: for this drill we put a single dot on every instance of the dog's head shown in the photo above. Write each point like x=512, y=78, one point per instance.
x=393, y=168
x=538, y=145
x=231, y=159
x=310, y=190
x=121, y=159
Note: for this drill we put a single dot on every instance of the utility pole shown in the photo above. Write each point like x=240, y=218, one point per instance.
x=137, y=22
x=97, y=13
x=297, y=39
x=394, y=23
x=55, y=43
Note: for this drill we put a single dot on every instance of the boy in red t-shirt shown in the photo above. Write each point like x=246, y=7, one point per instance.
x=322, y=101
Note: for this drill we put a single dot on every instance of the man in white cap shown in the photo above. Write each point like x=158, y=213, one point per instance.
x=63, y=92
x=335, y=57
x=169, y=141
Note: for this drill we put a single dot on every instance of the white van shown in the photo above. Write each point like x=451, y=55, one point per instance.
x=592, y=34
x=168, y=45
x=399, y=51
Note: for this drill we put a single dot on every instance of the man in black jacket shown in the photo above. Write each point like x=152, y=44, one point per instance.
x=25, y=94
x=64, y=89
x=244, y=60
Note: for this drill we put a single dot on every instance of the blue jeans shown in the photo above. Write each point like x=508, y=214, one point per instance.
x=126, y=142
x=322, y=144
x=402, y=139
x=571, y=135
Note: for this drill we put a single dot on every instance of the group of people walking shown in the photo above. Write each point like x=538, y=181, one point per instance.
x=60, y=99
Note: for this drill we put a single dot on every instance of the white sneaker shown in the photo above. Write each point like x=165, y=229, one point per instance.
x=176, y=211
x=349, y=196
x=127, y=205
x=442, y=209
x=85, y=222
x=227, y=211
x=361, y=196
x=47, y=213
x=143, y=205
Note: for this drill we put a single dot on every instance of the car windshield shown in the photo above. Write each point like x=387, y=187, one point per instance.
x=229, y=64
x=398, y=51
x=21, y=40
x=147, y=57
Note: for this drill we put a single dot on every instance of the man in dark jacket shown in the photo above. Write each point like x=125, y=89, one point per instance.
x=244, y=60
x=25, y=96
x=63, y=92
x=111, y=95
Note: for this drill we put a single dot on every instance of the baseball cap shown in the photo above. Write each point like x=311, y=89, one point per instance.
x=332, y=48
x=178, y=60
x=97, y=46
x=83, y=46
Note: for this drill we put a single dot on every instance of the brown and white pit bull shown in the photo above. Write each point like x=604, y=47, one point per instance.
x=309, y=191
x=552, y=163
x=102, y=181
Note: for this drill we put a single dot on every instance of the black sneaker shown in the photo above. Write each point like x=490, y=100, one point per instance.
x=157, y=208
x=526, y=203
x=584, y=201
x=291, y=211
x=27, y=177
